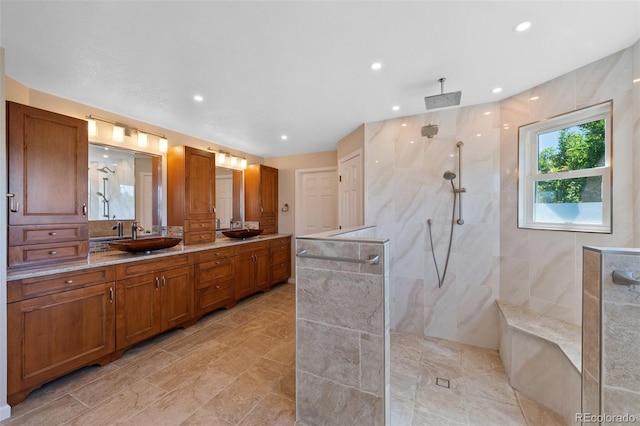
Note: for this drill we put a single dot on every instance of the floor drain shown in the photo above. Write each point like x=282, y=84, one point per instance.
x=442, y=382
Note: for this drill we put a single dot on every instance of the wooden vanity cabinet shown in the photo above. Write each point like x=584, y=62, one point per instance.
x=152, y=297
x=280, y=255
x=48, y=180
x=191, y=193
x=214, y=280
x=252, y=268
x=261, y=196
x=57, y=324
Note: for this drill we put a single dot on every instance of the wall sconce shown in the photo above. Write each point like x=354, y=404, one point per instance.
x=121, y=130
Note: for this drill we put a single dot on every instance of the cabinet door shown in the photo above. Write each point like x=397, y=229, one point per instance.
x=269, y=191
x=48, y=157
x=200, y=183
x=137, y=310
x=262, y=266
x=52, y=335
x=177, y=296
x=245, y=273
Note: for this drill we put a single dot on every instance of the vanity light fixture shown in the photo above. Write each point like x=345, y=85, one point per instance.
x=143, y=141
x=225, y=159
x=163, y=145
x=92, y=127
x=118, y=134
x=121, y=130
x=497, y=90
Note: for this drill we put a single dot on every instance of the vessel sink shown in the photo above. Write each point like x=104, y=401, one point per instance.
x=144, y=244
x=242, y=233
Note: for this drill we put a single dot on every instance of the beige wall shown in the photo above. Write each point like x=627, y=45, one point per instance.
x=287, y=166
x=351, y=143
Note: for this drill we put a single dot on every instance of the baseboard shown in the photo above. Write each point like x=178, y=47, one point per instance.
x=5, y=411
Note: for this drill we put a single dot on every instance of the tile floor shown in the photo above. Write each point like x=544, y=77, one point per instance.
x=237, y=367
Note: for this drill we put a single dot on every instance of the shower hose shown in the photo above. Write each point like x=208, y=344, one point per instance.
x=433, y=252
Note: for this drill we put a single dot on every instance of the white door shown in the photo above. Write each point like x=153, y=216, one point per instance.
x=351, y=212
x=224, y=199
x=146, y=211
x=317, y=208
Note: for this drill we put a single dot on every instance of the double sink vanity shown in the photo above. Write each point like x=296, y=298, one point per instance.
x=71, y=300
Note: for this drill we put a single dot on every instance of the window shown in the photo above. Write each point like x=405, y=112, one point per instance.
x=564, y=172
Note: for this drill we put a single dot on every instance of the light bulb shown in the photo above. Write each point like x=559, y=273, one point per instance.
x=118, y=134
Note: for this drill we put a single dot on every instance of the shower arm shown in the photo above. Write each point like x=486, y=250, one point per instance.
x=460, y=189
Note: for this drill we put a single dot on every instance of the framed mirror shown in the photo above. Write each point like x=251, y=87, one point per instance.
x=124, y=186
x=229, y=197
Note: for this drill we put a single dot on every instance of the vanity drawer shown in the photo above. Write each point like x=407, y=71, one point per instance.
x=127, y=270
x=215, y=254
x=44, y=234
x=213, y=272
x=214, y=296
x=250, y=247
x=49, y=284
x=199, y=237
x=34, y=254
x=199, y=225
x=281, y=244
x=279, y=256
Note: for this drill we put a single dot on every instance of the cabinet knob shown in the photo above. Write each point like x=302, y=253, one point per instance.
x=68, y=282
x=217, y=286
x=202, y=237
x=52, y=252
x=202, y=225
x=217, y=262
x=53, y=234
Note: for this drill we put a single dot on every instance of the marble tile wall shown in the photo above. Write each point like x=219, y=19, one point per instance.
x=342, y=334
x=616, y=390
x=542, y=270
x=404, y=188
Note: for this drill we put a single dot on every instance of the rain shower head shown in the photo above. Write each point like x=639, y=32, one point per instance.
x=443, y=99
x=449, y=175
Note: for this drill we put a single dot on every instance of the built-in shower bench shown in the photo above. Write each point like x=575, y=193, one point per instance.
x=542, y=357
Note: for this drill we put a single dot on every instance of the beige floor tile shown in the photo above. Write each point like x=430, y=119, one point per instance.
x=273, y=410
x=286, y=387
x=193, y=341
x=284, y=352
x=490, y=384
x=120, y=407
x=55, y=412
x=235, y=401
x=486, y=412
x=204, y=418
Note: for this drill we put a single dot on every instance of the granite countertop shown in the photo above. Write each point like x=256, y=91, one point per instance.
x=115, y=257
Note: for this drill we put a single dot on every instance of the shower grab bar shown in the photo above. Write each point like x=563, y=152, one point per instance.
x=373, y=259
x=624, y=278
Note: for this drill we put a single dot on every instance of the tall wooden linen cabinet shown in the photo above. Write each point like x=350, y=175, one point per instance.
x=191, y=193
x=261, y=196
x=48, y=181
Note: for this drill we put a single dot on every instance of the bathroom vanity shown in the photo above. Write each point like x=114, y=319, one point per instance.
x=67, y=316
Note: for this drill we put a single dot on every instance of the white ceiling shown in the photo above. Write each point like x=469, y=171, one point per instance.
x=297, y=68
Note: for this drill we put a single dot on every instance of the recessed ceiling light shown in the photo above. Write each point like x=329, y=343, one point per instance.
x=198, y=98
x=497, y=90
x=411, y=142
x=487, y=113
x=376, y=66
x=284, y=137
x=534, y=98
x=522, y=26
x=404, y=124
x=478, y=134
x=637, y=80
x=395, y=107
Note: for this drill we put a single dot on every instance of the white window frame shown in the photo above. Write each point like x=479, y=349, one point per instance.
x=528, y=167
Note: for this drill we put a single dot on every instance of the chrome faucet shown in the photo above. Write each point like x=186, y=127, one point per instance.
x=134, y=230
x=118, y=226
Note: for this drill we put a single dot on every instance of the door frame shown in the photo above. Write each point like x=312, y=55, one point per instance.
x=356, y=153
x=298, y=190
